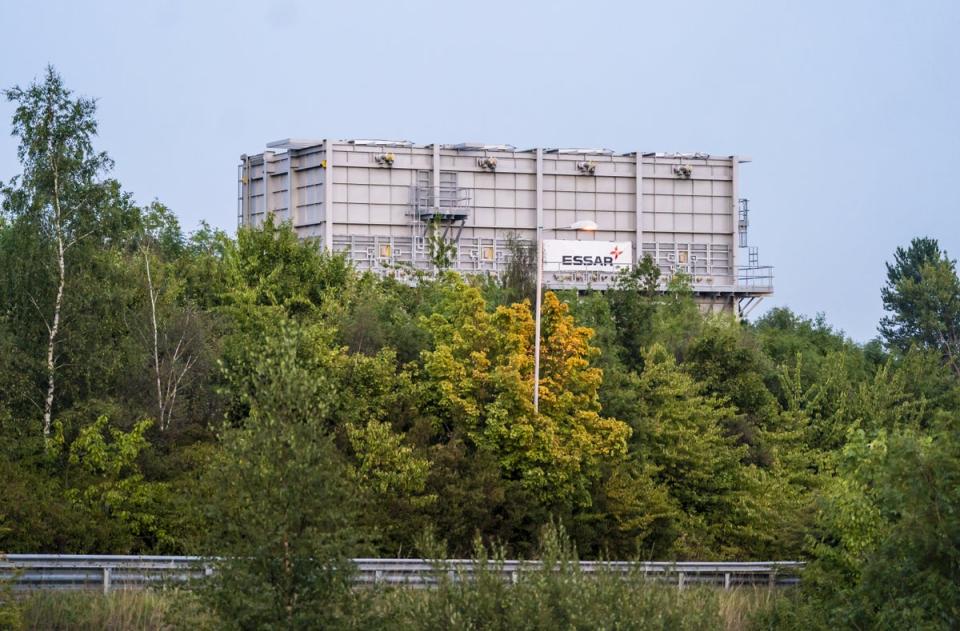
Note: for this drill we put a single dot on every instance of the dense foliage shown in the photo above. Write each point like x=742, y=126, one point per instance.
x=255, y=397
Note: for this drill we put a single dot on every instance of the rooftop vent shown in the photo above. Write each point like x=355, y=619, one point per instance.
x=479, y=146
x=595, y=151
x=682, y=156
x=293, y=143
x=371, y=142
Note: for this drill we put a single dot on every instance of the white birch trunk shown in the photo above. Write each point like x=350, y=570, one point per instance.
x=156, y=343
x=58, y=303
x=169, y=373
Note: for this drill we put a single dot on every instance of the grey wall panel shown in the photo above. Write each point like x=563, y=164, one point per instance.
x=564, y=183
x=506, y=198
x=586, y=201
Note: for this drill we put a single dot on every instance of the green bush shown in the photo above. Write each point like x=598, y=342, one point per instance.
x=556, y=595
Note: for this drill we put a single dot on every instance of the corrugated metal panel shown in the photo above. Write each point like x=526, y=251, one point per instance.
x=687, y=203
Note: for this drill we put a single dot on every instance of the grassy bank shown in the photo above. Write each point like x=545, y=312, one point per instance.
x=119, y=611
x=556, y=604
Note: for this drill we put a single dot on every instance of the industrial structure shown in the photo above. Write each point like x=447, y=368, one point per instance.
x=385, y=203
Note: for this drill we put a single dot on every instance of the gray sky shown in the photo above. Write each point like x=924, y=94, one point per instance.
x=850, y=110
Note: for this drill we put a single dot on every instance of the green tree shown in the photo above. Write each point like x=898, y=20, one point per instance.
x=519, y=279
x=922, y=296
x=480, y=376
x=679, y=434
x=108, y=485
x=271, y=266
x=887, y=539
x=727, y=361
x=442, y=252
x=678, y=320
x=277, y=501
x=793, y=342
x=56, y=195
x=392, y=482
x=633, y=305
x=383, y=314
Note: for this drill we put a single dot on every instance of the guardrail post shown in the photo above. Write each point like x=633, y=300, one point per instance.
x=106, y=580
x=726, y=580
x=514, y=577
x=378, y=576
x=772, y=579
x=680, y=581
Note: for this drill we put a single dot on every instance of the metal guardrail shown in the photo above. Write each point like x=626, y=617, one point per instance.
x=108, y=572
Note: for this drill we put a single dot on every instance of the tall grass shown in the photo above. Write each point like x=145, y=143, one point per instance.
x=739, y=607
x=551, y=602
x=557, y=595
x=548, y=602
x=145, y=610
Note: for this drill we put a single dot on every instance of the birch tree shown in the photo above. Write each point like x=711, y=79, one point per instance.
x=54, y=130
x=172, y=347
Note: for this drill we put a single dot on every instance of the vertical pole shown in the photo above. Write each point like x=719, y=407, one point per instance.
x=536, y=341
x=246, y=191
x=639, y=201
x=436, y=175
x=734, y=218
x=680, y=581
x=106, y=580
x=328, y=198
x=240, y=195
x=726, y=580
x=291, y=190
x=266, y=183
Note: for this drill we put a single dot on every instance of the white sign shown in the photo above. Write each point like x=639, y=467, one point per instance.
x=586, y=256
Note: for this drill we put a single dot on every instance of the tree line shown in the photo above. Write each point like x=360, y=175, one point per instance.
x=254, y=396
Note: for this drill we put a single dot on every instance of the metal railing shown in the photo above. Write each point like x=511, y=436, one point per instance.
x=756, y=277
x=451, y=201
x=109, y=572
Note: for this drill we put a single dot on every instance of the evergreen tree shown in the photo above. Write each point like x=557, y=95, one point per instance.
x=922, y=295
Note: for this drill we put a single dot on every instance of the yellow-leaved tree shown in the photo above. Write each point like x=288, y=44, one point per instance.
x=479, y=381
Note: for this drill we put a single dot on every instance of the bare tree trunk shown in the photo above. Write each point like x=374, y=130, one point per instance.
x=58, y=303
x=168, y=374
x=156, y=344
x=175, y=376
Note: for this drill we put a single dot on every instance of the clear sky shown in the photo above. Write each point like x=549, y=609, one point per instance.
x=850, y=110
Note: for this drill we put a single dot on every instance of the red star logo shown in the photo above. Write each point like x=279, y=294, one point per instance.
x=616, y=252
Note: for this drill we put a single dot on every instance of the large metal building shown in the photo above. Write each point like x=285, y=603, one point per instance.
x=379, y=201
